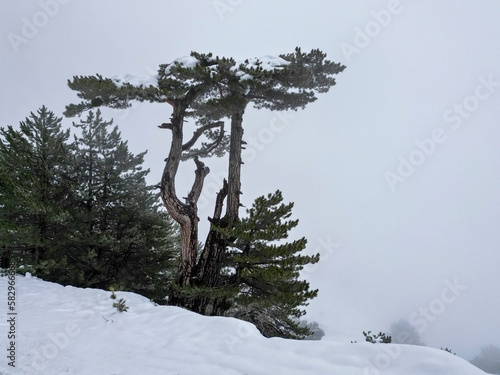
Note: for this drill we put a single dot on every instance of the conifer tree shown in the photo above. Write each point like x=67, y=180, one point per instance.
x=36, y=186
x=125, y=238
x=81, y=213
x=212, y=91
x=265, y=270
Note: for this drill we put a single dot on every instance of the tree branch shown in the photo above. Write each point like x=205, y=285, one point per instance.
x=199, y=132
x=166, y=126
x=219, y=202
x=200, y=174
x=204, y=152
x=169, y=101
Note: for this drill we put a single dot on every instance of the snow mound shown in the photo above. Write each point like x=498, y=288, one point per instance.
x=67, y=330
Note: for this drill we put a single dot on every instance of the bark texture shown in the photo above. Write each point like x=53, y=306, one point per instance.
x=235, y=162
x=185, y=213
x=209, y=265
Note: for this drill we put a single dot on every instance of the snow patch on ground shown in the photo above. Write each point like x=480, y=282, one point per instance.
x=67, y=330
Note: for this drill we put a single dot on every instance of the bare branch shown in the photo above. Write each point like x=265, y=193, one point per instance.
x=172, y=103
x=199, y=132
x=212, y=146
x=166, y=126
x=221, y=195
x=200, y=174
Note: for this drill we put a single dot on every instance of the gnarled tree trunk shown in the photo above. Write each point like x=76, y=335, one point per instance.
x=208, y=270
x=210, y=264
x=206, y=273
x=186, y=214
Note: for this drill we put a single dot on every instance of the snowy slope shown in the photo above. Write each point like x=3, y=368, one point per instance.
x=66, y=330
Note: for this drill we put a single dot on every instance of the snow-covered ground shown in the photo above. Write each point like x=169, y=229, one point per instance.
x=67, y=330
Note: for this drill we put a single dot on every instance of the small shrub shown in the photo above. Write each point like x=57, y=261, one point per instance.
x=448, y=350
x=120, y=305
x=377, y=338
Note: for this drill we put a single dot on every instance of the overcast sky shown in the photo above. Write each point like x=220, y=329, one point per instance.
x=394, y=172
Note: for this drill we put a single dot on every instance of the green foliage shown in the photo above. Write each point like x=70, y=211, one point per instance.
x=377, y=338
x=81, y=213
x=36, y=186
x=217, y=87
x=121, y=305
x=98, y=91
x=259, y=278
x=266, y=269
x=128, y=239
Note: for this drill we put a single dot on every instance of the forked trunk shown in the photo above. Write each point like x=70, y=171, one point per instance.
x=210, y=264
x=186, y=214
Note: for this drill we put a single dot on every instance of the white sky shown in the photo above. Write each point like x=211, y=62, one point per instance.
x=395, y=250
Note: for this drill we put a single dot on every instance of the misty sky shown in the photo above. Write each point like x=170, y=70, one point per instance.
x=394, y=172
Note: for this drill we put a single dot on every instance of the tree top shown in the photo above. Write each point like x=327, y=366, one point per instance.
x=217, y=86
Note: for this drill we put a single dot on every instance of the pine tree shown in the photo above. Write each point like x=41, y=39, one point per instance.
x=265, y=270
x=36, y=186
x=81, y=213
x=210, y=91
x=125, y=239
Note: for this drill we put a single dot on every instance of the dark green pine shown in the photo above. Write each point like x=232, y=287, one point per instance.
x=265, y=269
x=36, y=191
x=126, y=238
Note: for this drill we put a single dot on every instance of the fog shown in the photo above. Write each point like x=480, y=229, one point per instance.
x=394, y=172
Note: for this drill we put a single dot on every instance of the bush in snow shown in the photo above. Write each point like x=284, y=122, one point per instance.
x=120, y=305
x=377, y=338
x=448, y=350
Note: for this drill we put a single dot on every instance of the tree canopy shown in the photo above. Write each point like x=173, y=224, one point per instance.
x=80, y=213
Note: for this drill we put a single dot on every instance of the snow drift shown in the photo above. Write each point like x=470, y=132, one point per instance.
x=67, y=330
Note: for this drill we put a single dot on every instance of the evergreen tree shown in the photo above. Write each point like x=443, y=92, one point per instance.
x=82, y=214
x=211, y=91
x=265, y=270
x=125, y=238
x=36, y=185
